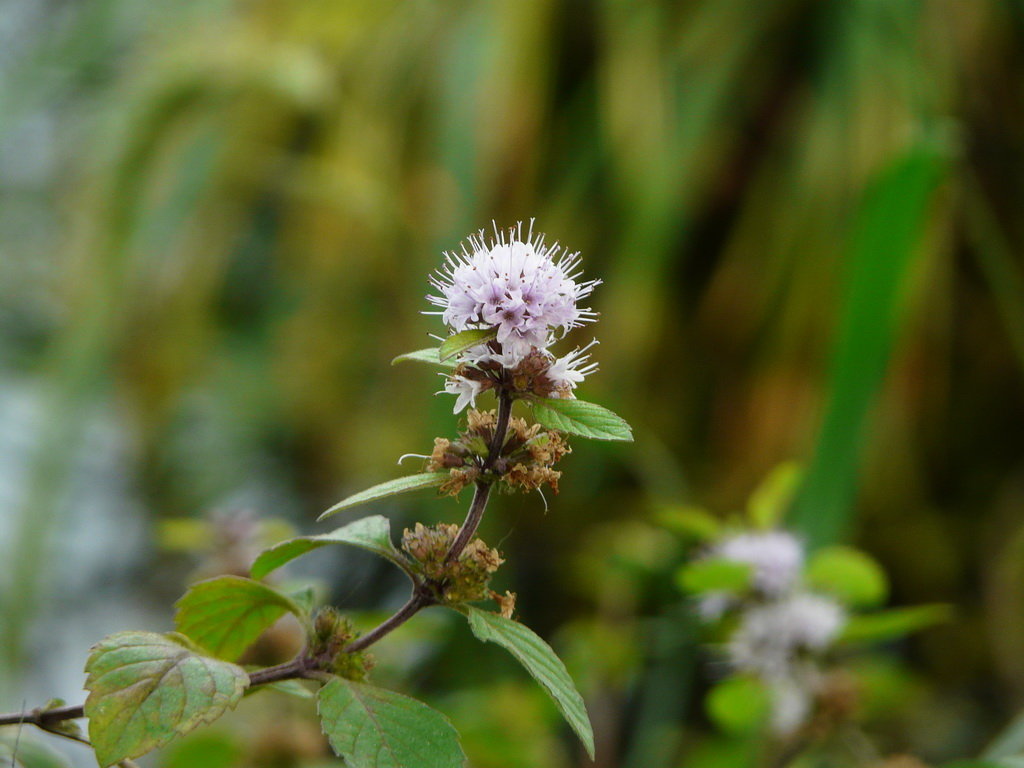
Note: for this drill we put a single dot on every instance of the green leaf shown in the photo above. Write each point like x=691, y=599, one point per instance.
x=390, y=488
x=374, y=728
x=714, y=575
x=226, y=614
x=885, y=246
x=690, y=522
x=578, y=417
x=464, y=340
x=739, y=704
x=369, y=533
x=893, y=624
x=24, y=751
x=769, y=503
x=540, y=661
x=430, y=355
x=146, y=688
x=848, y=574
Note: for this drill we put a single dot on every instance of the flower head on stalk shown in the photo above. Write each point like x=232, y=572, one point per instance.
x=528, y=292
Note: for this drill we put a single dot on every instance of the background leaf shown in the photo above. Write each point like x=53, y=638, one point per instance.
x=146, y=688
x=390, y=488
x=428, y=355
x=25, y=751
x=887, y=237
x=540, y=661
x=714, y=575
x=740, y=704
x=578, y=417
x=374, y=728
x=893, y=624
x=226, y=614
x=849, y=574
x=464, y=340
x=370, y=533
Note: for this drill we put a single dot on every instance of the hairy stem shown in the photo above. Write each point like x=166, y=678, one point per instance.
x=483, y=488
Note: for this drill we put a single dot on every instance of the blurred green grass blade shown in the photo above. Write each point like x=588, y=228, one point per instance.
x=884, y=243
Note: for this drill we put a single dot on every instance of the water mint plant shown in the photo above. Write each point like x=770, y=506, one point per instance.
x=506, y=302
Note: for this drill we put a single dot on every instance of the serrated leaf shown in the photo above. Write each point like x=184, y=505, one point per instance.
x=390, y=488
x=430, y=355
x=146, y=688
x=540, y=661
x=374, y=728
x=19, y=750
x=714, y=575
x=370, y=533
x=848, y=574
x=226, y=614
x=893, y=624
x=739, y=704
x=578, y=417
x=464, y=340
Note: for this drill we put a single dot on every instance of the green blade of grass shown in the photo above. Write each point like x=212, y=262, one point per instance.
x=884, y=244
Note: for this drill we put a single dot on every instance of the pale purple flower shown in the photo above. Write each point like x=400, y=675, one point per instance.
x=527, y=289
x=466, y=389
x=568, y=371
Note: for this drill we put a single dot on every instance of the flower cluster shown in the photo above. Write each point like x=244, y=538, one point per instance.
x=463, y=580
x=781, y=629
x=527, y=292
x=525, y=460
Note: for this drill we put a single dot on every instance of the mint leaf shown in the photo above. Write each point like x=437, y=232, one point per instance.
x=146, y=688
x=226, y=614
x=540, y=661
x=374, y=728
x=464, y=340
x=370, y=533
x=739, y=705
x=714, y=575
x=430, y=355
x=578, y=417
x=893, y=624
x=390, y=488
x=848, y=574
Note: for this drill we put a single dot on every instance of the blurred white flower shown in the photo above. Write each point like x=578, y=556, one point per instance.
x=776, y=557
x=771, y=636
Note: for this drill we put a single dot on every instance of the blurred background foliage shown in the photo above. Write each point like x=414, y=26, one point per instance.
x=216, y=223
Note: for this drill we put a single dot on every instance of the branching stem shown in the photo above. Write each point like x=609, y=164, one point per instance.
x=304, y=666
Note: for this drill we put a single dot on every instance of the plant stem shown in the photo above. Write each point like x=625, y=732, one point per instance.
x=303, y=666
x=418, y=600
x=483, y=487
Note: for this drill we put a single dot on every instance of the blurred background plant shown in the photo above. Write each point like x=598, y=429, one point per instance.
x=216, y=222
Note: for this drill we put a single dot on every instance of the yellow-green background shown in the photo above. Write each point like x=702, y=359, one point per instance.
x=217, y=220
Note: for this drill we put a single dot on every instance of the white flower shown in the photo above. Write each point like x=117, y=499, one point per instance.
x=776, y=557
x=466, y=389
x=771, y=635
x=529, y=290
x=568, y=371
